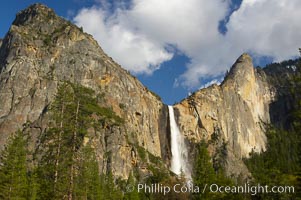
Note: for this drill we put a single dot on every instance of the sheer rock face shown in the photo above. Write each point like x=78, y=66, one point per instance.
x=40, y=51
x=234, y=111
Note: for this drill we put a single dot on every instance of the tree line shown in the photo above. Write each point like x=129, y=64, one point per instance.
x=62, y=167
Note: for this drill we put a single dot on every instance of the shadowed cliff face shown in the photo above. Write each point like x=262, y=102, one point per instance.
x=40, y=51
x=281, y=76
x=233, y=112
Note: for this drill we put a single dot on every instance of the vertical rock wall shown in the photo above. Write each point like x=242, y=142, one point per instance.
x=235, y=111
x=40, y=51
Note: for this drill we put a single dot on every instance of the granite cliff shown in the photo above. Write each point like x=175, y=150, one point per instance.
x=232, y=113
x=41, y=50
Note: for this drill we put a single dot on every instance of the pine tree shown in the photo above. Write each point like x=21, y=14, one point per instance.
x=131, y=183
x=204, y=174
x=32, y=185
x=110, y=189
x=73, y=112
x=55, y=148
x=203, y=170
x=13, y=169
x=88, y=182
x=61, y=143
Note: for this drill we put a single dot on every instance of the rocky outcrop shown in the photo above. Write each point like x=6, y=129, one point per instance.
x=281, y=77
x=233, y=112
x=40, y=51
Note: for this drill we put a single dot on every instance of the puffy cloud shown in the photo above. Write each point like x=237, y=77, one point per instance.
x=139, y=38
x=266, y=28
x=139, y=35
x=132, y=49
x=261, y=27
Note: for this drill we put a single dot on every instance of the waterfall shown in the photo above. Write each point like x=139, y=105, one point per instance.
x=179, y=159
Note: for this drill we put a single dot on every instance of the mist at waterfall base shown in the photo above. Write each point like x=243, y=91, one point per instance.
x=179, y=159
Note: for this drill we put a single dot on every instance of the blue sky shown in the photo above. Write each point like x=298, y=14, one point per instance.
x=176, y=46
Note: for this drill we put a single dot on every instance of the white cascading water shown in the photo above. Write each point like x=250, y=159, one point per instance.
x=179, y=160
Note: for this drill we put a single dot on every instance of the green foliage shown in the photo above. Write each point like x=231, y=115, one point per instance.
x=203, y=170
x=154, y=159
x=88, y=182
x=204, y=174
x=47, y=40
x=279, y=74
x=141, y=152
x=162, y=176
x=108, y=115
x=33, y=185
x=279, y=164
x=131, y=195
x=220, y=154
x=60, y=29
x=110, y=190
x=13, y=169
x=67, y=167
x=158, y=175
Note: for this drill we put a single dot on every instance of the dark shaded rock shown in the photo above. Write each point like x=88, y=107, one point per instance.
x=164, y=126
x=280, y=76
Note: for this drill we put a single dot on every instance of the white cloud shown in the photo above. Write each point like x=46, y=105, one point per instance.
x=139, y=35
x=138, y=38
x=267, y=28
x=132, y=49
x=214, y=81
